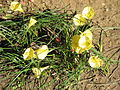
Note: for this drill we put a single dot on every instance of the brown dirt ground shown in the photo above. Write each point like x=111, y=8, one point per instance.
x=107, y=14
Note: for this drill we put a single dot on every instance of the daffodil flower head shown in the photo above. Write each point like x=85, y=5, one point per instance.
x=82, y=42
x=88, y=12
x=42, y=52
x=95, y=62
x=79, y=20
x=39, y=53
x=31, y=22
x=16, y=6
x=29, y=54
x=37, y=71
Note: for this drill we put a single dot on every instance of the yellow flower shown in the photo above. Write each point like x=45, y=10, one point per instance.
x=37, y=72
x=79, y=20
x=88, y=12
x=31, y=22
x=95, y=62
x=42, y=52
x=29, y=54
x=82, y=42
x=16, y=6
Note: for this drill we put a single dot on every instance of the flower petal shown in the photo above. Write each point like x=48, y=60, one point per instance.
x=75, y=40
x=42, y=52
x=44, y=68
x=88, y=34
x=28, y=54
x=31, y=22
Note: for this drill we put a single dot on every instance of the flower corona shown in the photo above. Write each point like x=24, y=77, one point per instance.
x=95, y=62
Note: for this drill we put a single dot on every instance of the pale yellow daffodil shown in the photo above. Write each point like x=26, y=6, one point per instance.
x=37, y=72
x=82, y=42
x=31, y=22
x=88, y=12
x=16, y=6
x=29, y=54
x=79, y=20
x=95, y=62
x=42, y=52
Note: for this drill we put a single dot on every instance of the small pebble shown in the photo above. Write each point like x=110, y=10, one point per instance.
x=103, y=4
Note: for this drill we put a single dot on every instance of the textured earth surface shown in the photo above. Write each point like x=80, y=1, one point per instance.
x=107, y=14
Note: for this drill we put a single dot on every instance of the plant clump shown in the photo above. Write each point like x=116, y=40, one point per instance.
x=48, y=44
